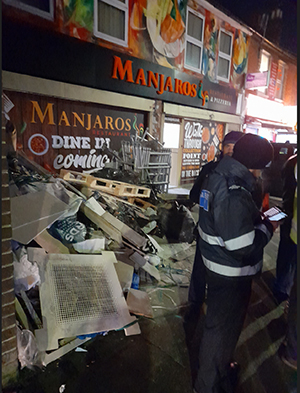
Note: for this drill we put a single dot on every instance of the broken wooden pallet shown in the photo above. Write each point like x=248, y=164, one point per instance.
x=74, y=177
x=141, y=203
x=118, y=188
x=106, y=185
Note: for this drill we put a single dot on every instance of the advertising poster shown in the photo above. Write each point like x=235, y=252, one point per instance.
x=201, y=142
x=63, y=134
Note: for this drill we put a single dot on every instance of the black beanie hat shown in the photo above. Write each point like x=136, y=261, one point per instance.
x=253, y=151
x=232, y=137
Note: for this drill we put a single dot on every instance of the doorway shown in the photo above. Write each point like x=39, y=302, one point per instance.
x=171, y=137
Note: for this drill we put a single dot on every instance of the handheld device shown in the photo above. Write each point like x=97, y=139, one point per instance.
x=275, y=214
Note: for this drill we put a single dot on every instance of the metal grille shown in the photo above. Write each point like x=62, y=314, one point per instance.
x=81, y=293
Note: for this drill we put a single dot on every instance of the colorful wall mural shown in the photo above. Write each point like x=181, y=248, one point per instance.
x=156, y=31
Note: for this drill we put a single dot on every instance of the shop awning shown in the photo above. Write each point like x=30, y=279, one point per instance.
x=268, y=124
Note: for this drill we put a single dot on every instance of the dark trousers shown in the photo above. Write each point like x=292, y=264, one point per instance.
x=286, y=262
x=291, y=336
x=196, y=294
x=227, y=303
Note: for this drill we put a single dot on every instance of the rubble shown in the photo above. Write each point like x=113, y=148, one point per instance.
x=82, y=223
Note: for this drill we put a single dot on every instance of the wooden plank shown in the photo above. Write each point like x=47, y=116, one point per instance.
x=74, y=177
x=118, y=188
x=21, y=314
x=31, y=310
x=109, y=186
x=141, y=203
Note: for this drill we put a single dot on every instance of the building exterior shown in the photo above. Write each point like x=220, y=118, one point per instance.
x=79, y=76
x=271, y=99
x=76, y=74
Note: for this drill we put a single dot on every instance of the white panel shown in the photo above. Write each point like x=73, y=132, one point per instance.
x=196, y=113
x=30, y=84
x=81, y=294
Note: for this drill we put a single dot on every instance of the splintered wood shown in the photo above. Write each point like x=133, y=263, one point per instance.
x=106, y=185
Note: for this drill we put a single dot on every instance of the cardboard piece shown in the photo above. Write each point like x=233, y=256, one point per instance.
x=32, y=213
x=133, y=330
x=139, y=303
x=50, y=244
x=90, y=246
x=125, y=273
x=142, y=262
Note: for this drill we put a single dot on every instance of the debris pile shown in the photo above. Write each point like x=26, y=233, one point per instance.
x=91, y=254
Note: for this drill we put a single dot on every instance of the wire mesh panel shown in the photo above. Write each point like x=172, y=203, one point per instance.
x=82, y=297
x=81, y=294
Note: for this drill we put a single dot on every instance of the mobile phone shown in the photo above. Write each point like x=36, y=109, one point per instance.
x=275, y=214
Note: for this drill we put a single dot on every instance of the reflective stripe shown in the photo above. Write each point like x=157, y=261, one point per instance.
x=230, y=271
x=240, y=242
x=213, y=240
x=232, y=244
x=264, y=229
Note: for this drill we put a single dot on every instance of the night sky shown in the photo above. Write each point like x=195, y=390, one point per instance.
x=244, y=10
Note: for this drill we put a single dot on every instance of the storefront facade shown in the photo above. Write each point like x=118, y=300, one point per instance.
x=92, y=79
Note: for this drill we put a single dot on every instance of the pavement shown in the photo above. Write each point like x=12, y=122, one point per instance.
x=158, y=359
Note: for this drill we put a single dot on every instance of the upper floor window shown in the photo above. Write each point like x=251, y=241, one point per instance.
x=225, y=53
x=111, y=20
x=280, y=80
x=42, y=8
x=265, y=60
x=194, y=40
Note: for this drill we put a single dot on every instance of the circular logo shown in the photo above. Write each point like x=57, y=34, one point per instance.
x=205, y=135
x=38, y=144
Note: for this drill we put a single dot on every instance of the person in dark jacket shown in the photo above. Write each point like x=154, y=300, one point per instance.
x=227, y=150
x=233, y=233
x=287, y=250
x=197, y=286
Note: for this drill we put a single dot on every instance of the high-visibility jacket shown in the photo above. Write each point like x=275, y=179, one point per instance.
x=232, y=231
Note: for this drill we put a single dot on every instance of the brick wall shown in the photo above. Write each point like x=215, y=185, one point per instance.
x=8, y=336
x=290, y=86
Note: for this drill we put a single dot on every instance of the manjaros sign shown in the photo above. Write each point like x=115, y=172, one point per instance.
x=138, y=77
x=62, y=134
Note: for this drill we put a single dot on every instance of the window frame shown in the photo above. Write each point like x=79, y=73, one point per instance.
x=120, y=6
x=280, y=81
x=33, y=10
x=264, y=90
x=193, y=40
x=225, y=56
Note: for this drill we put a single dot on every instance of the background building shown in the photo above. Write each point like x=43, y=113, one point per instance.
x=271, y=108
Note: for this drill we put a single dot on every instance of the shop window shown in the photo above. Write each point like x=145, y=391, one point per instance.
x=194, y=40
x=171, y=135
x=111, y=20
x=265, y=60
x=280, y=80
x=225, y=52
x=43, y=8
